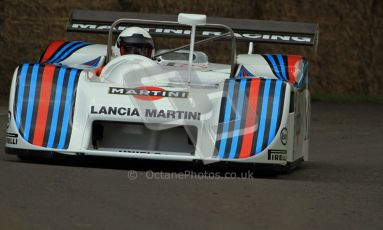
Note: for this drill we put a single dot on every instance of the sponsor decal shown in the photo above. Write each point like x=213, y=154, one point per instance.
x=172, y=114
x=120, y=111
x=205, y=33
x=284, y=136
x=149, y=113
x=137, y=151
x=9, y=119
x=12, y=138
x=277, y=155
x=148, y=93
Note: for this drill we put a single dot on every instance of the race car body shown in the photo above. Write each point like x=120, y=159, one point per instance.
x=80, y=99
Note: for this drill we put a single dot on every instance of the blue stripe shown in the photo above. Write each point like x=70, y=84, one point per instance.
x=68, y=103
x=31, y=100
x=241, y=72
x=237, y=124
x=57, y=55
x=20, y=94
x=71, y=50
x=56, y=107
x=226, y=120
x=262, y=125
x=93, y=63
x=275, y=67
x=282, y=65
x=274, y=116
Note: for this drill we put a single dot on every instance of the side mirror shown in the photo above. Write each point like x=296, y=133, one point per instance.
x=191, y=19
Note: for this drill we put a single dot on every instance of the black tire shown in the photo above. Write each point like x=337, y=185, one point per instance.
x=291, y=166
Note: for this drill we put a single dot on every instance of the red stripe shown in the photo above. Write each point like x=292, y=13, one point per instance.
x=244, y=71
x=99, y=70
x=44, y=101
x=52, y=48
x=250, y=119
x=293, y=67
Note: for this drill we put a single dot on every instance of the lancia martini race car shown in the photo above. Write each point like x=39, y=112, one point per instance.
x=82, y=99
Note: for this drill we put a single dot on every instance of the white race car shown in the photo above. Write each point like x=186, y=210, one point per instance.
x=177, y=106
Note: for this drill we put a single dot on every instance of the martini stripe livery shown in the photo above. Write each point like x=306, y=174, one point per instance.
x=44, y=105
x=261, y=111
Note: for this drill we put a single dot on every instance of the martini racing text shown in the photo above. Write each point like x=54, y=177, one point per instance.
x=149, y=113
x=147, y=92
x=305, y=39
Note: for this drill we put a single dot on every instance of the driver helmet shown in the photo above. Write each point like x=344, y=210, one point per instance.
x=135, y=40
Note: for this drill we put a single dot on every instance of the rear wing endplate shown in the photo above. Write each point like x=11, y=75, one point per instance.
x=258, y=31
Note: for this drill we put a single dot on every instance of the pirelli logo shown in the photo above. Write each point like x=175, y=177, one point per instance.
x=148, y=92
x=277, y=155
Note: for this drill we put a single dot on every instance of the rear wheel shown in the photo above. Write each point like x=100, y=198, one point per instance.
x=291, y=166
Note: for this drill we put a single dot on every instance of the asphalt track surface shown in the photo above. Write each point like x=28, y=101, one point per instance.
x=341, y=187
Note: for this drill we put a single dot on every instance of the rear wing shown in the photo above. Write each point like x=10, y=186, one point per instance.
x=258, y=31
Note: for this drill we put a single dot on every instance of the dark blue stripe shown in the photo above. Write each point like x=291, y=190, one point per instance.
x=58, y=54
x=68, y=103
x=274, y=116
x=262, y=125
x=226, y=120
x=56, y=107
x=31, y=101
x=282, y=65
x=240, y=72
x=275, y=67
x=243, y=71
x=71, y=50
x=20, y=94
x=249, y=74
x=93, y=63
x=237, y=124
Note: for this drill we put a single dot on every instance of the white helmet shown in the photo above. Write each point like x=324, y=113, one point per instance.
x=135, y=40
